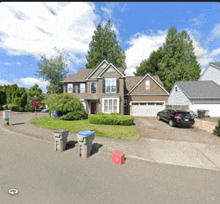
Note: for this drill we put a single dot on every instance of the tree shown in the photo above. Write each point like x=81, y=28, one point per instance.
x=53, y=70
x=32, y=92
x=179, y=61
x=105, y=46
x=151, y=65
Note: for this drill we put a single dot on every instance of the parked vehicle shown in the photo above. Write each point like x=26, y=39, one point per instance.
x=45, y=110
x=176, y=117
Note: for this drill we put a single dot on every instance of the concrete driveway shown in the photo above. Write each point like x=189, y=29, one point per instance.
x=151, y=128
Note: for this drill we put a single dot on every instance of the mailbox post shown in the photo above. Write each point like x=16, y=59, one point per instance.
x=6, y=116
x=35, y=102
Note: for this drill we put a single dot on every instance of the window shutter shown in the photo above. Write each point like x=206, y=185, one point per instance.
x=65, y=88
x=85, y=87
x=78, y=87
x=73, y=88
x=103, y=88
x=117, y=85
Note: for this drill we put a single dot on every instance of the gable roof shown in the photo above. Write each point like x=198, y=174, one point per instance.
x=80, y=75
x=104, y=61
x=108, y=67
x=200, y=89
x=213, y=64
x=130, y=82
x=157, y=82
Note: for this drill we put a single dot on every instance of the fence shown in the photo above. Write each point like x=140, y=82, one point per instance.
x=178, y=107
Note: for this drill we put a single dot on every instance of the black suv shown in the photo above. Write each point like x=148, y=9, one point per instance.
x=176, y=117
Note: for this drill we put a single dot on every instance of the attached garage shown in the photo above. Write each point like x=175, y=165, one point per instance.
x=146, y=109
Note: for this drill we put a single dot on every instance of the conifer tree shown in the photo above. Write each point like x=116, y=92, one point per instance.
x=104, y=45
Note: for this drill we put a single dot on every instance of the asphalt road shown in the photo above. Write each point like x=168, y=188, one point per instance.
x=43, y=176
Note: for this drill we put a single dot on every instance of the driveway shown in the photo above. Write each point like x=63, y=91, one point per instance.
x=151, y=128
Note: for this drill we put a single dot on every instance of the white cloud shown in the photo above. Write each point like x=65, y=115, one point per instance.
x=6, y=63
x=30, y=81
x=5, y=82
x=215, y=33
x=215, y=52
x=141, y=46
x=108, y=10
x=35, y=28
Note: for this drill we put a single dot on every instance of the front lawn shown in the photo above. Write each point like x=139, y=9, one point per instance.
x=114, y=131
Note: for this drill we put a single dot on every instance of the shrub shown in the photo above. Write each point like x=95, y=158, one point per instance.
x=67, y=104
x=5, y=107
x=115, y=113
x=100, y=113
x=13, y=107
x=216, y=131
x=111, y=119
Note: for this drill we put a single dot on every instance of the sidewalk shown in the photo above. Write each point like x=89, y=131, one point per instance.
x=205, y=156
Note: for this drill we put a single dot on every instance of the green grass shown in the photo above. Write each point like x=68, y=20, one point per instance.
x=115, y=131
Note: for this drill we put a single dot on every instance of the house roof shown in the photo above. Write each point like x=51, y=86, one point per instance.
x=217, y=64
x=200, y=89
x=82, y=74
x=131, y=81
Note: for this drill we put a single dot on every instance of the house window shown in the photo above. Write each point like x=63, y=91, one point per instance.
x=110, y=85
x=125, y=102
x=111, y=105
x=147, y=85
x=93, y=87
x=176, y=89
x=82, y=88
x=70, y=88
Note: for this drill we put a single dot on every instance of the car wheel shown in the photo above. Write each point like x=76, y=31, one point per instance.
x=171, y=123
x=158, y=117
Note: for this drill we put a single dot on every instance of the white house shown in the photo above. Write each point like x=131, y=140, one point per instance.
x=212, y=72
x=198, y=95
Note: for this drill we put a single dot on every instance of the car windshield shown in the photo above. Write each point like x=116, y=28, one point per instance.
x=183, y=114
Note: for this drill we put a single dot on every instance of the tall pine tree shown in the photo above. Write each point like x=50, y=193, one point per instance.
x=179, y=61
x=104, y=46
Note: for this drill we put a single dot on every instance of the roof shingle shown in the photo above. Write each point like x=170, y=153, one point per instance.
x=200, y=89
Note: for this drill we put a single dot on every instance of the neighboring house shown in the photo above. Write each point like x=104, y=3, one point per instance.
x=212, y=72
x=198, y=95
x=106, y=89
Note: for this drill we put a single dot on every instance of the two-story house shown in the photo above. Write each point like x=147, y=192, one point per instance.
x=106, y=89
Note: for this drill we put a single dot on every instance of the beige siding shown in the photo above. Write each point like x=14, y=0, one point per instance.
x=154, y=87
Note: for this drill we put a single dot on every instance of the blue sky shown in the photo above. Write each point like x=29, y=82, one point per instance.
x=30, y=29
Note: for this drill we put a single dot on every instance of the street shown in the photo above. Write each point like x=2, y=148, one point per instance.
x=42, y=175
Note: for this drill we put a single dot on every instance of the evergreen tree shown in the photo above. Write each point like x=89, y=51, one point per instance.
x=151, y=65
x=53, y=70
x=179, y=61
x=104, y=46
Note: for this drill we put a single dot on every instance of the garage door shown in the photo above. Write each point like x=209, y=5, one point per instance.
x=146, y=108
x=214, y=109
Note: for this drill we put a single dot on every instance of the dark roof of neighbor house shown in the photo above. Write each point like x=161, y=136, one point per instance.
x=200, y=89
x=216, y=64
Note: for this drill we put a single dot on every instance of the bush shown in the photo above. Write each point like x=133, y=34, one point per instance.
x=216, y=131
x=70, y=106
x=5, y=107
x=115, y=113
x=13, y=107
x=100, y=113
x=111, y=119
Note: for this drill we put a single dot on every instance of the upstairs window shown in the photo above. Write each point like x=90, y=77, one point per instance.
x=110, y=86
x=70, y=88
x=147, y=85
x=93, y=87
x=82, y=88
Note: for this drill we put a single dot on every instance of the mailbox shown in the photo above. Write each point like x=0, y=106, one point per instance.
x=6, y=114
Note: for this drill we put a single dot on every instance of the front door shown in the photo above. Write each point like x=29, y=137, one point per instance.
x=93, y=107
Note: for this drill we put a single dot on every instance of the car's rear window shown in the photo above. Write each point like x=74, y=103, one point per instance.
x=183, y=114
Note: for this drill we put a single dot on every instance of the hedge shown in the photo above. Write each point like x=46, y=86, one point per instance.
x=111, y=119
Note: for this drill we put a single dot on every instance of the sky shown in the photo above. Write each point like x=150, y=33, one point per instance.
x=30, y=29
